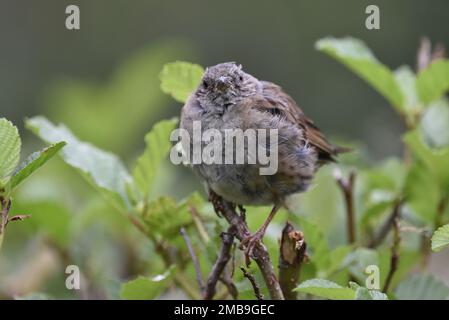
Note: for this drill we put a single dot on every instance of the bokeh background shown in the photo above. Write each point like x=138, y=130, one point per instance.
x=102, y=82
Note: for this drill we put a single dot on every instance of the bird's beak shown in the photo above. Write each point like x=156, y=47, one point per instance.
x=223, y=83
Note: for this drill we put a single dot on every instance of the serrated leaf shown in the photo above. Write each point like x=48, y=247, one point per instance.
x=358, y=58
x=157, y=147
x=101, y=168
x=10, y=144
x=422, y=287
x=435, y=124
x=164, y=216
x=440, y=238
x=144, y=288
x=433, y=81
x=326, y=289
x=34, y=162
x=179, y=79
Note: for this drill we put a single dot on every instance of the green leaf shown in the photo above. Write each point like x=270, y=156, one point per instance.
x=34, y=162
x=358, y=58
x=440, y=238
x=165, y=217
x=433, y=81
x=363, y=293
x=374, y=212
x=406, y=79
x=326, y=289
x=316, y=240
x=179, y=79
x=422, y=192
x=144, y=288
x=436, y=161
x=422, y=287
x=359, y=259
x=157, y=147
x=103, y=169
x=9, y=149
x=337, y=258
x=435, y=124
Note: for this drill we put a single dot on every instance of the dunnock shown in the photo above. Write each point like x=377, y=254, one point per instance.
x=229, y=98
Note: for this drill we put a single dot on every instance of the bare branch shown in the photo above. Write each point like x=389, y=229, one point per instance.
x=292, y=254
x=227, y=240
x=261, y=255
x=253, y=282
x=347, y=187
x=230, y=286
x=426, y=56
x=5, y=205
x=394, y=254
x=195, y=261
x=379, y=237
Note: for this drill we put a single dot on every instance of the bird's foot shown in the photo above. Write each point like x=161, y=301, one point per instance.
x=250, y=243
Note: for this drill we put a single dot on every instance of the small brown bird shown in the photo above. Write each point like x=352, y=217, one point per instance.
x=228, y=98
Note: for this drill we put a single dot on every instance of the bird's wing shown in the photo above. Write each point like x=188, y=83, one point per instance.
x=276, y=101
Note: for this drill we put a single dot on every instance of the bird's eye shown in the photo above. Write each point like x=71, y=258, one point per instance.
x=205, y=84
x=240, y=78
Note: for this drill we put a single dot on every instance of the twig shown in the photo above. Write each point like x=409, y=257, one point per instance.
x=195, y=261
x=347, y=187
x=5, y=205
x=136, y=222
x=394, y=254
x=292, y=254
x=227, y=239
x=385, y=228
x=253, y=282
x=261, y=255
x=19, y=217
x=230, y=286
x=425, y=54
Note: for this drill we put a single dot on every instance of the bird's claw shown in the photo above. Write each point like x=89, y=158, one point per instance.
x=249, y=244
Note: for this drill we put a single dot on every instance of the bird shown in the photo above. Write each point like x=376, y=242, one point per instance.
x=229, y=98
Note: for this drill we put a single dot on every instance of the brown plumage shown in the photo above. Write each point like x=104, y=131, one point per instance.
x=229, y=98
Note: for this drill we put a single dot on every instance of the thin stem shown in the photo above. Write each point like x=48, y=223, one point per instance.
x=261, y=255
x=227, y=240
x=196, y=263
x=5, y=206
x=385, y=228
x=394, y=261
x=253, y=282
x=347, y=187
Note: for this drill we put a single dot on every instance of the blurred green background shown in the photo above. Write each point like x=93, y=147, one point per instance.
x=102, y=82
x=273, y=41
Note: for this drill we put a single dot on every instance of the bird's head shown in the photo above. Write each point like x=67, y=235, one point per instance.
x=225, y=84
